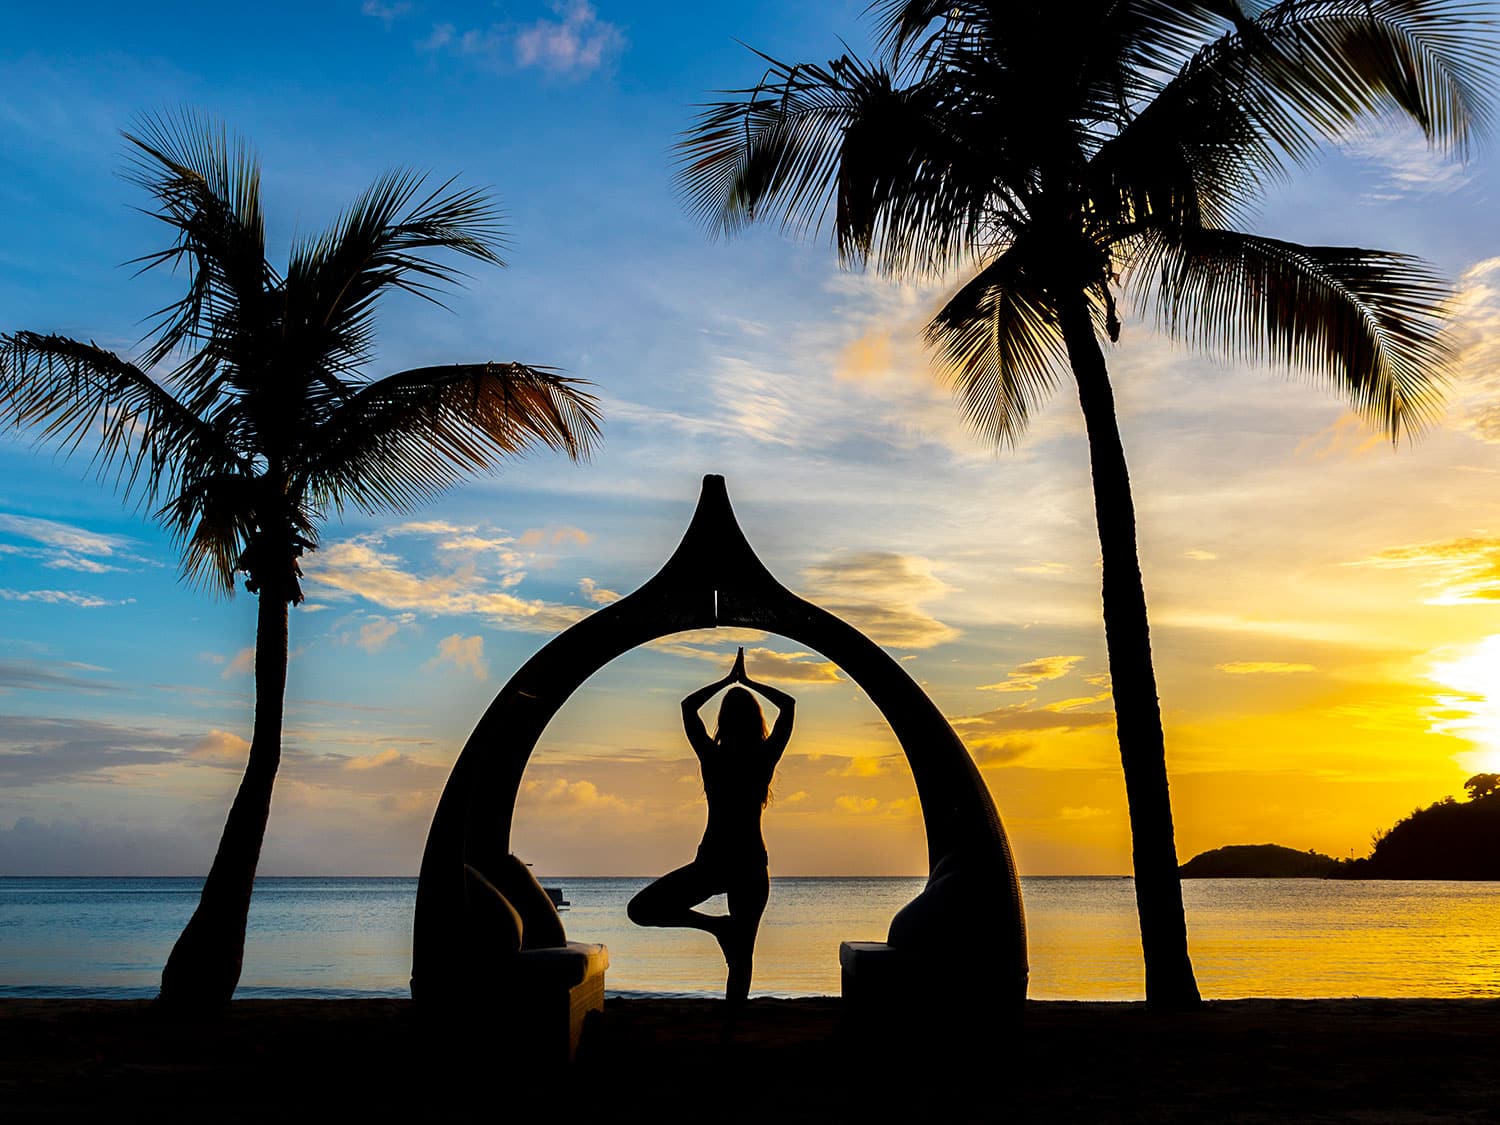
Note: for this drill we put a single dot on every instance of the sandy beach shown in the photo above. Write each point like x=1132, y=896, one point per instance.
x=656, y=1060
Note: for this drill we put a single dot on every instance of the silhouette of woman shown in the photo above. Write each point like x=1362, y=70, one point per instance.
x=737, y=765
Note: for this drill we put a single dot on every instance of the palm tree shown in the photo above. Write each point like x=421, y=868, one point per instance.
x=249, y=419
x=1055, y=153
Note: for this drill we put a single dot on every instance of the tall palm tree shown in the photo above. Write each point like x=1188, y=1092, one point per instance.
x=1055, y=153
x=249, y=419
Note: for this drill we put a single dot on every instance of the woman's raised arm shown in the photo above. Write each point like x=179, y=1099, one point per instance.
x=692, y=722
x=785, y=706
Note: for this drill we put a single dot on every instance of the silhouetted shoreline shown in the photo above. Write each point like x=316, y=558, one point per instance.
x=1250, y=1060
x=1447, y=840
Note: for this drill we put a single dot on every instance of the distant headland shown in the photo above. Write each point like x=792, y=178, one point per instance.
x=1447, y=840
x=1259, y=861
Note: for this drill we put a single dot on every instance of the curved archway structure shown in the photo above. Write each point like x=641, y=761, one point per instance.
x=715, y=579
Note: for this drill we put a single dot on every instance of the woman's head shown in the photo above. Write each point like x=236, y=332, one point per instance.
x=740, y=718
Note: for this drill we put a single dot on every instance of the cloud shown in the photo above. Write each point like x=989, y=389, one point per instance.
x=577, y=43
x=1080, y=812
x=999, y=751
x=386, y=13
x=441, y=36
x=373, y=635
x=554, y=536
x=596, y=593
x=1463, y=571
x=881, y=593
x=63, y=597
x=901, y=808
x=381, y=760
x=220, y=748
x=990, y=736
x=862, y=766
x=1046, y=569
x=86, y=566
x=1408, y=164
x=1262, y=668
x=790, y=667
x=80, y=847
x=1021, y=717
x=1474, y=332
x=1199, y=555
x=66, y=547
x=1076, y=702
x=35, y=751
x=561, y=793
x=470, y=543
x=1026, y=677
x=30, y=675
x=865, y=357
x=464, y=653
x=574, y=43
x=360, y=568
x=242, y=665
x=430, y=527
x=761, y=663
x=64, y=536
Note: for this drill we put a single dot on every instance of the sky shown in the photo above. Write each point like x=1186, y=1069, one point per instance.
x=1325, y=607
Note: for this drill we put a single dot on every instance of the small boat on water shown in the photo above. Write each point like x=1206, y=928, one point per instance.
x=555, y=894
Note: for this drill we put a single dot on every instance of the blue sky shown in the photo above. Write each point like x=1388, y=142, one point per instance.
x=1324, y=607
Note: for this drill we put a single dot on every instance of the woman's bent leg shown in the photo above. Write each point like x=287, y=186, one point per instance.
x=669, y=901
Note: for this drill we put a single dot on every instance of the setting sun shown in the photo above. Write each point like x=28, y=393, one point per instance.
x=1472, y=712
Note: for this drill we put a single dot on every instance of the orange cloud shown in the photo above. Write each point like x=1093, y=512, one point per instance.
x=1464, y=570
x=1026, y=677
x=464, y=653
x=242, y=664
x=220, y=747
x=882, y=594
x=553, y=536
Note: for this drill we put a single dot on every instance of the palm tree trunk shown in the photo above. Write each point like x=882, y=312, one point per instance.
x=201, y=974
x=1158, y=888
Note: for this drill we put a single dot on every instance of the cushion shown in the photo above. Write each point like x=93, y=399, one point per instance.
x=541, y=928
x=493, y=925
x=951, y=904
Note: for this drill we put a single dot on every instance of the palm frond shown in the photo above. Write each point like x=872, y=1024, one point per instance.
x=1368, y=320
x=1312, y=69
x=408, y=436
x=384, y=241
x=905, y=27
x=907, y=187
x=213, y=519
x=207, y=188
x=1001, y=347
x=1193, y=156
x=76, y=393
x=918, y=187
x=774, y=150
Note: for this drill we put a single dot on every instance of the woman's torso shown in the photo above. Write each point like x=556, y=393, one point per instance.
x=736, y=781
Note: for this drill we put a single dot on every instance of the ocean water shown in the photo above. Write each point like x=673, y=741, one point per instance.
x=352, y=937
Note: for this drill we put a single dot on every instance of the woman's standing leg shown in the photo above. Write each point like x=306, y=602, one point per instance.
x=747, y=902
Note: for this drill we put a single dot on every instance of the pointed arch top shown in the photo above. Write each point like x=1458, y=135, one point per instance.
x=714, y=579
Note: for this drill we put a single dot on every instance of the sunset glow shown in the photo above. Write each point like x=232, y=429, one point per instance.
x=1473, y=712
